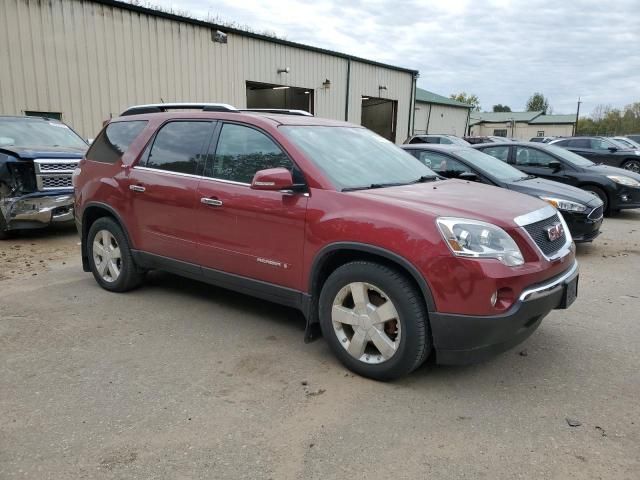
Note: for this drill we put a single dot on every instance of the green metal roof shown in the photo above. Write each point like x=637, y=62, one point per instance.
x=430, y=97
x=502, y=117
x=546, y=119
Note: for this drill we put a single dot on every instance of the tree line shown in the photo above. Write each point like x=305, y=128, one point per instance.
x=606, y=120
x=536, y=103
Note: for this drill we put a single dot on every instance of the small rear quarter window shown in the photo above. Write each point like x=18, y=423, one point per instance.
x=114, y=141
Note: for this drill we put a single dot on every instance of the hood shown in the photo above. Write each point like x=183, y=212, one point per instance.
x=458, y=198
x=31, y=153
x=541, y=186
x=607, y=170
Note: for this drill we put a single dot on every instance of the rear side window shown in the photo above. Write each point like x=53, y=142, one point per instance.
x=501, y=153
x=114, y=141
x=242, y=151
x=562, y=143
x=580, y=143
x=531, y=157
x=178, y=146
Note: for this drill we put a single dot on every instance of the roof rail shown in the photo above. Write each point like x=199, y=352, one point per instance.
x=164, y=107
x=283, y=111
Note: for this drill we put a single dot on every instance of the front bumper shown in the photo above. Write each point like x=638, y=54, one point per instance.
x=466, y=339
x=583, y=228
x=625, y=197
x=37, y=210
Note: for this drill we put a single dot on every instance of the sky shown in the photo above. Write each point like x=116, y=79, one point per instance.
x=503, y=51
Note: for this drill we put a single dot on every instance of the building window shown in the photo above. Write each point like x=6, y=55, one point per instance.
x=33, y=113
x=541, y=133
x=500, y=132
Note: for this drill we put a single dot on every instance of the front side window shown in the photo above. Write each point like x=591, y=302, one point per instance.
x=579, y=143
x=501, y=153
x=447, y=166
x=114, y=141
x=178, y=146
x=430, y=159
x=242, y=151
x=601, y=144
x=530, y=157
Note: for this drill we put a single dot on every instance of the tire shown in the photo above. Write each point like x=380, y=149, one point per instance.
x=405, y=338
x=601, y=194
x=632, y=165
x=105, y=235
x=4, y=233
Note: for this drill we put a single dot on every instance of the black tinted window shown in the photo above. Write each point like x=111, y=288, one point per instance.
x=580, y=143
x=242, y=151
x=417, y=140
x=114, y=141
x=562, y=143
x=178, y=146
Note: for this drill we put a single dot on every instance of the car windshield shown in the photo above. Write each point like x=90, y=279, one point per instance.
x=628, y=143
x=490, y=165
x=570, y=157
x=29, y=132
x=355, y=157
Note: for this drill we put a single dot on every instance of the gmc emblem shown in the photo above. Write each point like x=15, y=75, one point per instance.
x=554, y=232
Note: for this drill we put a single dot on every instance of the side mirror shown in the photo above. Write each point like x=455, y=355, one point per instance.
x=555, y=165
x=613, y=149
x=469, y=176
x=272, y=179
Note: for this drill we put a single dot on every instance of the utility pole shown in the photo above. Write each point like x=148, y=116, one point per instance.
x=575, y=127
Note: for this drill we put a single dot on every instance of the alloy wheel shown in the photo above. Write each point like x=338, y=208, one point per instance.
x=107, y=256
x=366, y=323
x=632, y=165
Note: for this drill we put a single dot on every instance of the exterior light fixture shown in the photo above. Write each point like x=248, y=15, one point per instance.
x=326, y=83
x=382, y=87
x=284, y=70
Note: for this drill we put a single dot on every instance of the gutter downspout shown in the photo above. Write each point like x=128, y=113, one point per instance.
x=428, y=118
x=467, y=128
x=346, y=103
x=412, y=108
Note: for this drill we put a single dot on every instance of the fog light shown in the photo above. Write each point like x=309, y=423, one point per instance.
x=504, y=298
x=625, y=198
x=494, y=299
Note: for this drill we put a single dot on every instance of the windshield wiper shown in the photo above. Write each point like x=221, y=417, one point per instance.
x=374, y=185
x=528, y=177
x=426, y=178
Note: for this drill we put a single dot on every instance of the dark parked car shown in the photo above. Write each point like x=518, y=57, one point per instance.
x=437, y=139
x=542, y=139
x=602, y=150
x=390, y=262
x=635, y=138
x=487, y=139
x=37, y=158
x=627, y=141
x=582, y=211
x=616, y=187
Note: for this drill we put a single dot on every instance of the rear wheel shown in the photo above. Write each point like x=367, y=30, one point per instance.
x=601, y=194
x=632, y=165
x=110, y=257
x=4, y=233
x=375, y=320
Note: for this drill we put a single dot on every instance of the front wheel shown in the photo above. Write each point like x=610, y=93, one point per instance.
x=375, y=320
x=601, y=195
x=4, y=232
x=632, y=165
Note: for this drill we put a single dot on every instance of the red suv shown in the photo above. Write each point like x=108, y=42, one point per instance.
x=389, y=261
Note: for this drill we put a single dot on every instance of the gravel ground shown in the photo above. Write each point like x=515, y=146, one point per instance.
x=182, y=380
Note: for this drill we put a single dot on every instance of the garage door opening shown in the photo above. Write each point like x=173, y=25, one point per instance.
x=380, y=115
x=263, y=95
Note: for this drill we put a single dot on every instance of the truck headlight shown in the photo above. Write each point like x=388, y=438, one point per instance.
x=622, y=180
x=566, y=205
x=476, y=239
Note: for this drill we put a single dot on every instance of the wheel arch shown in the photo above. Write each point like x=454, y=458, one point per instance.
x=92, y=212
x=335, y=255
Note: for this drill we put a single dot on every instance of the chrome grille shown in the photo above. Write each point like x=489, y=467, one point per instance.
x=538, y=232
x=596, y=213
x=54, y=174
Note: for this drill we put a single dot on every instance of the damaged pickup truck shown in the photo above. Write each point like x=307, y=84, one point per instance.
x=37, y=159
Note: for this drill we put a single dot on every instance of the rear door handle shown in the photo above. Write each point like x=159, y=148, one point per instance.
x=137, y=188
x=214, y=202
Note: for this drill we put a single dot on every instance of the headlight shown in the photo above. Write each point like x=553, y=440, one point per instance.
x=566, y=205
x=637, y=152
x=622, y=180
x=472, y=238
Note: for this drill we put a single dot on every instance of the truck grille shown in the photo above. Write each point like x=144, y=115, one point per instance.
x=538, y=232
x=596, y=213
x=54, y=174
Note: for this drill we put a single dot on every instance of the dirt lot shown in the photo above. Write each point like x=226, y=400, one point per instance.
x=183, y=380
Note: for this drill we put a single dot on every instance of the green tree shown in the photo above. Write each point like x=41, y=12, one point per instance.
x=537, y=102
x=501, y=108
x=469, y=99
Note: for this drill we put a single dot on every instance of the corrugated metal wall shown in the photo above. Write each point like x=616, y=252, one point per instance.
x=90, y=61
x=443, y=119
x=523, y=131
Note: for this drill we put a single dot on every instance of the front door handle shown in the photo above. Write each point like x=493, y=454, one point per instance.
x=214, y=202
x=137, y=188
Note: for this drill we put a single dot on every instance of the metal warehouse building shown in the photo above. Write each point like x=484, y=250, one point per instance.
x=87, y=60
x=438, y=114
